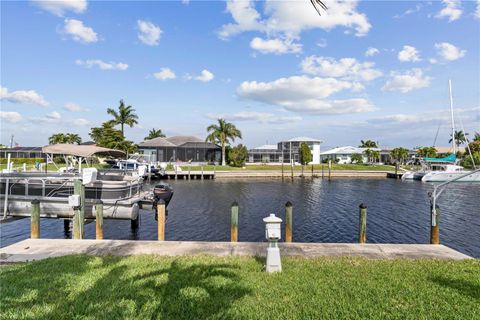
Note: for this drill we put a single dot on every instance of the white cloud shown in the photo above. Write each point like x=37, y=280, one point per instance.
x=449, y=52
x=102, y=65
x=318, y=107
x=60, y=7
x=262, y=117
x=452, y=10
x=23, y=96
x=432, y=117
x=409, y=53
x=292, y=17
x=11, y=116
x=433, y=61
x=304, y=94
x=417, y=8
x=79, y=32
x=245, y=16
x=54, y=115
x=73, y=107
x=55, y=118
x=477, y=11
x=165, y=74
x=276, y=46
x=371, y=52
x=322, y=43
x=149, y=33
x=345, y=68
x=205, y=76
x=408, y=81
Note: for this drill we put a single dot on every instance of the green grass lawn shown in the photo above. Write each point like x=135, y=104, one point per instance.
x=359, y=167
x=206, y=287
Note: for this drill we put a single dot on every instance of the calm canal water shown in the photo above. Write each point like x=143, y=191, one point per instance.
x=324, y=211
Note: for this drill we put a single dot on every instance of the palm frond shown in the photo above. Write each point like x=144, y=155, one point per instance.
x=319, y=6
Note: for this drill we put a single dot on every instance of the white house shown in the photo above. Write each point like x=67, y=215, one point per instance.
x=285, y=151
x=344, y=154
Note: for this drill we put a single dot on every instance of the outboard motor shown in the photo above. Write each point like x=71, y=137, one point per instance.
x=162, y=191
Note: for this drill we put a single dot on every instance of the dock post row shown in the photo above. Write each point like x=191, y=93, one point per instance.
x=78, y=222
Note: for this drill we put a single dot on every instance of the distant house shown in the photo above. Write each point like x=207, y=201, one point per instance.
x=284, y=151
x=449, y=150
x=22, y=152
x=344, y=154
x=180, y=148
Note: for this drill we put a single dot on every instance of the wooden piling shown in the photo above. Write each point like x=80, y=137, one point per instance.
x=323, y=176
x=202, y=172
x=35, y=220
x=282, y=169
x=288, y=221
x=312, y=170
x=161, y=219
x=362, y=227
x=66, y=226
x=291, y=170
x=435, y=225
x=234, y=223
x=99, y=220
x=79, y=212
x=329, y=169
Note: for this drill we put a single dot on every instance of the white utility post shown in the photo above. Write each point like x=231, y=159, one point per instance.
x=273, y=234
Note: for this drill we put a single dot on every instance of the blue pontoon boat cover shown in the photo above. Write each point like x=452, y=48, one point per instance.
x=451, y=158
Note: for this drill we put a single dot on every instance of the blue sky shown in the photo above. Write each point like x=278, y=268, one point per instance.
x=362, y=70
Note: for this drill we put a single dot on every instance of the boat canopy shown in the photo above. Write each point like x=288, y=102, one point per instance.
x=451, y=158
x=81, y=150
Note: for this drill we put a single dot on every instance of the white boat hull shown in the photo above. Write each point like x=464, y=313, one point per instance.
x=447, y=176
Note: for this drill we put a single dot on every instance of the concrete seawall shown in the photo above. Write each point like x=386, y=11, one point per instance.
x=296, y=174
x=38, y=249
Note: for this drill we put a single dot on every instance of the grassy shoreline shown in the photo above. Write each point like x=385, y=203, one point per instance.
x=207, y=287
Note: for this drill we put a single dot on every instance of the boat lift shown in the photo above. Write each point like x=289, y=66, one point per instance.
x=438, y=190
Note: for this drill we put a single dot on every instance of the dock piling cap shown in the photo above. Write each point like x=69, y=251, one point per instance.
x=363, y=206
x=234, y=204
x=272, y=219
x=288, y=204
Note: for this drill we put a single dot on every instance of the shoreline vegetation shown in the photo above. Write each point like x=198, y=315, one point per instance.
x=208, y=287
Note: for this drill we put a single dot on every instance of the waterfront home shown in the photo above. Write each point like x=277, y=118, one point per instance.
x=449, y=150
x=344, y=154
x=180, y=148
x=22, y=152
x=284, y=151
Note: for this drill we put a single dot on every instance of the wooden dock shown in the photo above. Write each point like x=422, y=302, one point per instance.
x=38, y=249
x=187, y=175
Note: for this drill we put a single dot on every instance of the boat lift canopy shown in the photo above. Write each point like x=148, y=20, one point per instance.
x=451, y=158
x=84, y=151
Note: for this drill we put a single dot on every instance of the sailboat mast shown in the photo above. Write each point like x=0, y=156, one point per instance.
x=454, y=145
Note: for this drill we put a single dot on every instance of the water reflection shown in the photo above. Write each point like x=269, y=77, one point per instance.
x=324, y=211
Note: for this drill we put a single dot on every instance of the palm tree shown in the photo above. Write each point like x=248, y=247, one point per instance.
x=222, y=133
x=459, y=137
x=399, y=154
x=64, y=138
x=368, y=144
x=152, y=134
x=476, y=137
x=124, y=116
x=57, y=138
x=318, y=5
x=73, y=138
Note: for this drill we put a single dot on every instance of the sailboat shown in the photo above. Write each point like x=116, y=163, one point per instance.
x=448, y=171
